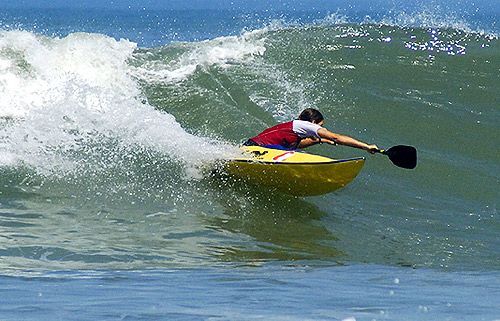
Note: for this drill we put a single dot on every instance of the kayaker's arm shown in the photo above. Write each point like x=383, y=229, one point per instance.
x=346, y=140
x=309, y=141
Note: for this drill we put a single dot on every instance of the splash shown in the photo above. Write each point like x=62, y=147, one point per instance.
x=426, y=16
x=221, y=51
x=68, y=100
x=434, y=18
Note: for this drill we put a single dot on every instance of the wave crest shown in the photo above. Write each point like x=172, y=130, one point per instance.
x=65, y=97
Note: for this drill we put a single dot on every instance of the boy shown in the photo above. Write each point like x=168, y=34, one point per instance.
x=304, y=132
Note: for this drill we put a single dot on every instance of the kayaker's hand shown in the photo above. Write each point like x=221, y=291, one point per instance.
x=372, y=149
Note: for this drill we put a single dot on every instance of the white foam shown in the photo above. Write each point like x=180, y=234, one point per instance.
x=223, y=52
x=58, y=95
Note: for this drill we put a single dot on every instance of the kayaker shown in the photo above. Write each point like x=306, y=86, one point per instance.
x=306, y=131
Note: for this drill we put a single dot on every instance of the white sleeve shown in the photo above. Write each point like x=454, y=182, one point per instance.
x=305, y=128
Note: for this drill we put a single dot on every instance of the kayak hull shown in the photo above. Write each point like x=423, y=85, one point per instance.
x=294, y=173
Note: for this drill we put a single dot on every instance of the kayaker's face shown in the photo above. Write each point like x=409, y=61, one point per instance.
x=321, y=123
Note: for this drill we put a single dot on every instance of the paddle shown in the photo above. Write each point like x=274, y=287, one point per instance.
x=401, y=156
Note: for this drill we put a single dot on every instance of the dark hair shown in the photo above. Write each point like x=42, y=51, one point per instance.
x=312, y=115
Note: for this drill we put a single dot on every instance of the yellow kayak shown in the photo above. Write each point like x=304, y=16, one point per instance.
x=292, y=172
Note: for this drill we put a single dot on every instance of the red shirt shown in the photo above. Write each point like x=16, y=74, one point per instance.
x=287, y=134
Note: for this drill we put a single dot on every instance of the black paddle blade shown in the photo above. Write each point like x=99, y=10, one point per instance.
x=403, y=156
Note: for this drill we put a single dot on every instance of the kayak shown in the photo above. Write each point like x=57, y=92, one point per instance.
x=293, y=172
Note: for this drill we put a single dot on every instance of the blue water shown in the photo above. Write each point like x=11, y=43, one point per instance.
x=107, y=111
x=271, y=292
x=158, y=26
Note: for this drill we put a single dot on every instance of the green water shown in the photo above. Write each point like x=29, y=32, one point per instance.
x=103, y=177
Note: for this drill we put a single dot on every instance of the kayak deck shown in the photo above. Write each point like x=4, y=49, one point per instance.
x=292, y=172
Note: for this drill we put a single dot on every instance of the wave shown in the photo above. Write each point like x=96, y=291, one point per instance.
x=221, y=51
x=425, y=17
x=65, y=99
x=85, y=96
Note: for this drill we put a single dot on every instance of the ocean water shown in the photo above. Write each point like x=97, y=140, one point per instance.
x=112, y=117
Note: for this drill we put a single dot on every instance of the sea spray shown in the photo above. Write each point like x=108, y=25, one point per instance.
x=221, y=51
x=67, y=97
